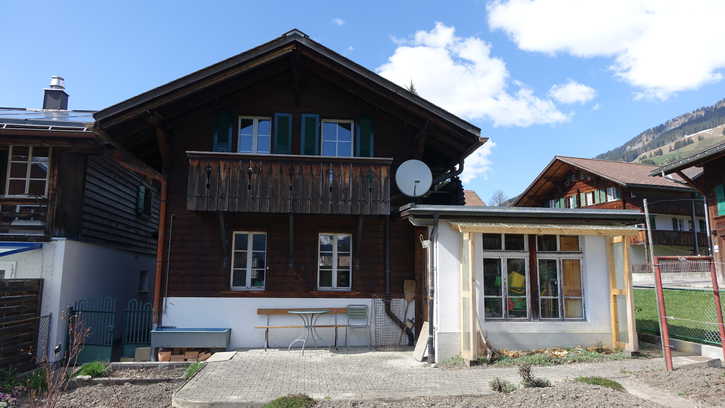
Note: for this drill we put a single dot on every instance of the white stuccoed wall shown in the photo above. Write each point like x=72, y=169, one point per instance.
x=518, y=334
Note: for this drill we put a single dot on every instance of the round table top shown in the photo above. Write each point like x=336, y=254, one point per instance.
x=321, y=311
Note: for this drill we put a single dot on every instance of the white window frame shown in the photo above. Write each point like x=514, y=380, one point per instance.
x=248, y=264
x=27, y=179
x=503, y=257
x=337, y=141
x=503, y=248
x=334, y=286
x=9, y=267
x=255, y=133
x=559, y=258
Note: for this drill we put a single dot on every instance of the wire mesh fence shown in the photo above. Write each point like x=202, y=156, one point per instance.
x=43, y=343
x=691, y=309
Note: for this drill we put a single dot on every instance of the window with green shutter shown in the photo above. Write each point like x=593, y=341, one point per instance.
x=223, y=131
x=282, y=140
x=720, y=197
x=310, y=134
x=364, y=139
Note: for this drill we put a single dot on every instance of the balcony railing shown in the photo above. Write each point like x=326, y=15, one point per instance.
x=663, y=237
x=23, y=216
x=288, y=183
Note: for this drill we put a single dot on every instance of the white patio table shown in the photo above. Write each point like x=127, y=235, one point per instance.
x=309, y=318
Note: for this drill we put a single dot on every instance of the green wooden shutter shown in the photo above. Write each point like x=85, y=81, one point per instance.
x=223, y=130
x=561, y=203
x=720, y=197
x=364, y=138
x=310, y=134
x=282, y=139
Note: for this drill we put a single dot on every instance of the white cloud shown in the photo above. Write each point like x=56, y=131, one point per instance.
x=478, y=163
x=460, y=75
x=338, y=21
x=572, y=92
x=350, y=48
x=596, y=107
x=658, y=46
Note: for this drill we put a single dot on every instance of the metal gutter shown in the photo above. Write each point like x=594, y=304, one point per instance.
x=409, y=210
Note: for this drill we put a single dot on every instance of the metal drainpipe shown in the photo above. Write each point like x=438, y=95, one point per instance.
x=387, y=300
x=431, y=291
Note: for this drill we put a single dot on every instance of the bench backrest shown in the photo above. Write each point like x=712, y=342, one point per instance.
x=330, y=310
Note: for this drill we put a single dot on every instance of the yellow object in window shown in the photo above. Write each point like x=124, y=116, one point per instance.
x=517, y=283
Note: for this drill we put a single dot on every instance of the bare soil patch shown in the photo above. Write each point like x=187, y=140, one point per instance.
x=148, y=372
x=702, y=384
x=565, y=395
x=157, y=395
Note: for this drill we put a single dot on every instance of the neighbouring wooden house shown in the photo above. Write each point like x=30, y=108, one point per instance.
x=279, y=163
x=677, y=215
x=70, y=214
x=472, y=198
x=710, y=183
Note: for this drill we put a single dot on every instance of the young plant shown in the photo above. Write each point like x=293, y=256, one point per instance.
x=499, y=385
x=93, y=369
x=292, y=401
x=192, y=369
x=600, y=381
x=529, y=381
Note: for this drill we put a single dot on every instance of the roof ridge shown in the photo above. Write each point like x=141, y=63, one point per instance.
x=605, y=160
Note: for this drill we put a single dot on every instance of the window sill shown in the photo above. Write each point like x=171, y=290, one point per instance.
x=334, y=289
x=247, y=289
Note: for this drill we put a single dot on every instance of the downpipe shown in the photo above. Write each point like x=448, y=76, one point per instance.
x=388, y=310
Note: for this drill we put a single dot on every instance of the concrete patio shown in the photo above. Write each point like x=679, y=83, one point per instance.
x=254, y=377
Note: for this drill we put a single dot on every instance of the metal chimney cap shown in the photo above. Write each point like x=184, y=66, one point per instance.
x=57, y=82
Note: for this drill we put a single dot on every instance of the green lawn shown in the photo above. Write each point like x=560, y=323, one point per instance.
x=692, y=312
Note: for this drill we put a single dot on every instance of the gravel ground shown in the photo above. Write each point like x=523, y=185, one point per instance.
x=704, y=384
x=150, y=372
x=565, y=395
x=117, y=396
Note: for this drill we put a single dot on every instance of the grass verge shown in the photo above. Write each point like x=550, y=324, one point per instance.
x=557, y=357
x=94, y=369
x=192, y=369
x=291, y=401
x=601, y=381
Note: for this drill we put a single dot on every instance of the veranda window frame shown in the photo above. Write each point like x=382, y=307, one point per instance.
x=248, y=262
x=503, y=257
x=559, y=256
x=255, y=133
x=337, y=140
x=335, y=262
x=27, y=179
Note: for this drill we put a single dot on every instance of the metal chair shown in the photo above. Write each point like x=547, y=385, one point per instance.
x=358, y=318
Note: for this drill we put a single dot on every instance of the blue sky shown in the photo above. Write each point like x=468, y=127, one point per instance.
x=509, y=54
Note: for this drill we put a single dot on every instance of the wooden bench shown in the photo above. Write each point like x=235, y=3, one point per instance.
x=285, y=312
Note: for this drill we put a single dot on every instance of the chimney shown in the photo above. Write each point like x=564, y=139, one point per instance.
x=55, y=97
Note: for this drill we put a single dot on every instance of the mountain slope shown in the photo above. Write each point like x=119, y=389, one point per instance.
x=678, y=137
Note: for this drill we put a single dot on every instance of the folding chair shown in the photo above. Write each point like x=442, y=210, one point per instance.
x=358, y=318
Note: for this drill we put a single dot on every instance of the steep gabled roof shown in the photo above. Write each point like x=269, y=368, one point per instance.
x=623, y=173
x=472, y=198
x=272, y=50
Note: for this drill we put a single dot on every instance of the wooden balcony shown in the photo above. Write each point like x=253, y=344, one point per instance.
x=23, y=217
x=284, y=184
x=663, y=237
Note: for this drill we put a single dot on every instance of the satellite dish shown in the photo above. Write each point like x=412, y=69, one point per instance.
x=413, y=178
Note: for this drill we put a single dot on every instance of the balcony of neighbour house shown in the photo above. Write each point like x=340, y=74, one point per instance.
x=665, y=237
x=280, y=183
x=23, y=218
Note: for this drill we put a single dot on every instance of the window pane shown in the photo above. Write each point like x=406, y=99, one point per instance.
x=548, y=283
x=546, y=243
x=573, y=309
x=325, y=278
x=246, y=126
x=39, y=170
x=258, y=260
x=259, y=242
x=492, y=242
x=258, y=278
x=40, y=154
x=344, y=131
x=514, y=242
x=326, y=260
x=516, y=277
x=343, y=278
x=245, y=144
x=264, y=127
x=550, y=308
x=328, y=149
x=16, y=187
x=343, y=243
x=343, y=261
x=37, y=187
x=571, y=275
x=568, y=243
x=492, y=277
x=329, y=131
x=263, y=144
x=344, y=149
x=20, y=153
x=492, y=307
x=239, y=277
x=326, y=243
x=517, y=307
x=240, y=241
x=240, y=259
x=18, y=170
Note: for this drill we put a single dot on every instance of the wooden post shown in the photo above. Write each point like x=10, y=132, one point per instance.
x=469, y=344
x=613, y=292
x=632, y=342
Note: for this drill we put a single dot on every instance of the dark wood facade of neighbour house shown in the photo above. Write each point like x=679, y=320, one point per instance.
x=58, y=180
x=711, y=184
x=327, y=136
x=571, y=182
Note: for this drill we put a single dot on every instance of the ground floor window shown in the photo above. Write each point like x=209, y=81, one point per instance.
x=560, y=288
x=505, y=288
x=335, y=262
x=249, y=260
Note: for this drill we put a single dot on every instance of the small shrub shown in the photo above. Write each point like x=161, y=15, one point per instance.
x=36, y=381
x=529, y=381
x=292, y=401
x=94, y=369
x=601, y=381
x=499, y=385
x=455, y=361
x=192, y=369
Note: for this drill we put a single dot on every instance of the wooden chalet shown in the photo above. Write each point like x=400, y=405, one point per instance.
x=279, y=167
x=677, y=218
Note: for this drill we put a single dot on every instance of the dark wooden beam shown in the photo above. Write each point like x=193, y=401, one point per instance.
x=690, y=182
x=294, y=67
